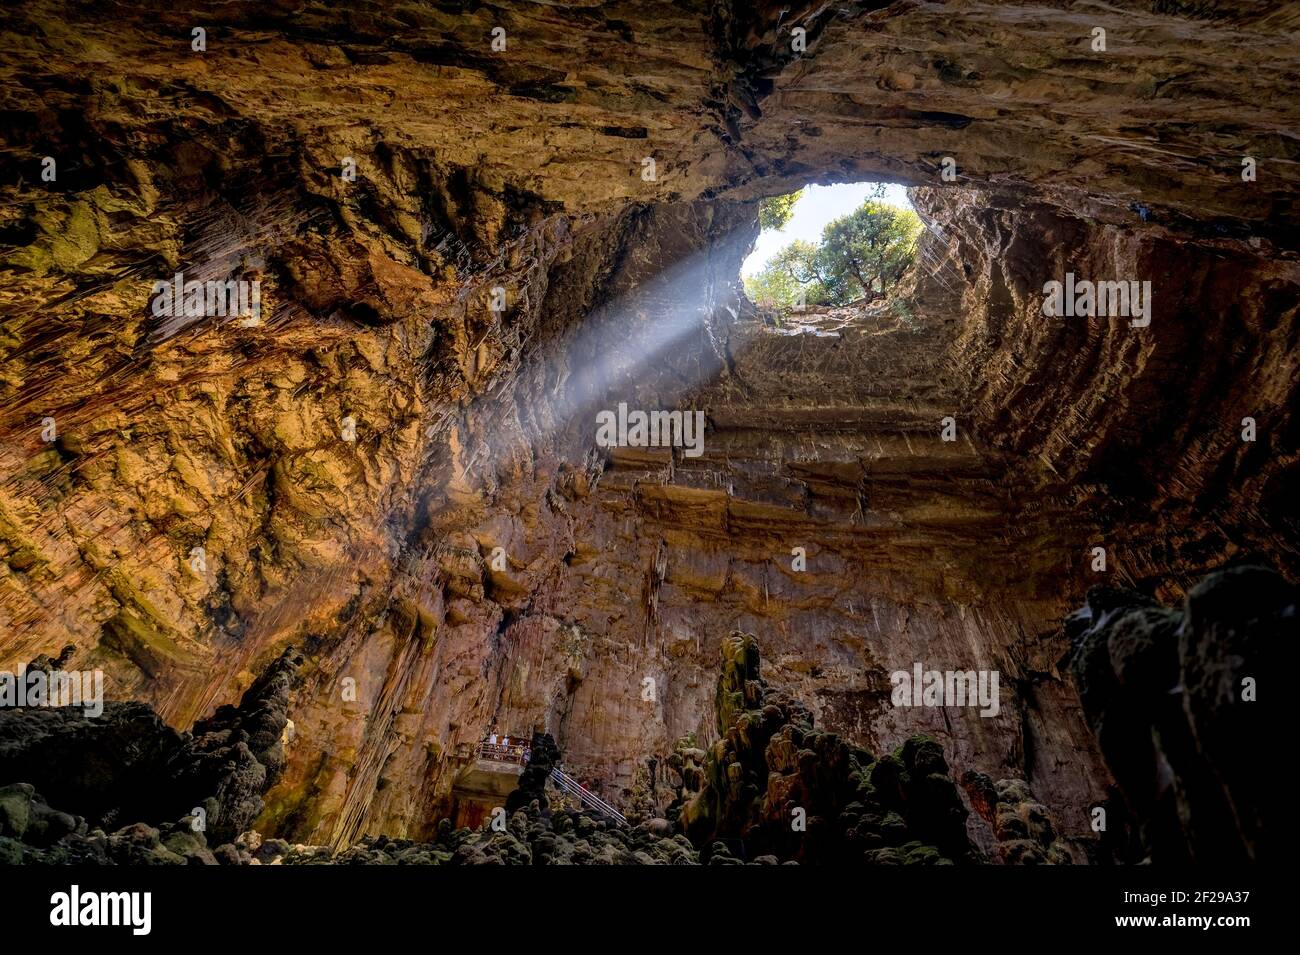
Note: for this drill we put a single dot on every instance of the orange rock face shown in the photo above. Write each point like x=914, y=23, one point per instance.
x=463, y=256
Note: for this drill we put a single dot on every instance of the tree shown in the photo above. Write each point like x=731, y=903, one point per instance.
x=792, y=271
x=865, y=253
x=775, y=211
x=861, y=255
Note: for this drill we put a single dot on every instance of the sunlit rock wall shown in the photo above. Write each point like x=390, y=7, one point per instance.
x=184, y=498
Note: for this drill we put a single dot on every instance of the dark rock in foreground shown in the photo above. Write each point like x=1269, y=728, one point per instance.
x=1170, y=695
x=127, y=765
x=777, y=786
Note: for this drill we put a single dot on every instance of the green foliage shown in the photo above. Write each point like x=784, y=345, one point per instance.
x=790, y=271
x=903, y=309
x=775, y=211
x=866, y=252
x=861, y=255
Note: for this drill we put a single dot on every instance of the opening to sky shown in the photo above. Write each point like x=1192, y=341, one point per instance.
x=817, y=208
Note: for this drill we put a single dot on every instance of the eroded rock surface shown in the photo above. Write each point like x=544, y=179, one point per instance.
x=882, y=809
x=774, y=785
x=127, y=765
x=181, y=503
x=1171, y=696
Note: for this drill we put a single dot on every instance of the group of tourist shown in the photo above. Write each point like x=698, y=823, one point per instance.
x=515, y=746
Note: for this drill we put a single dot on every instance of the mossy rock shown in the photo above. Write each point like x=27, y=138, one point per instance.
x=1022, y=852
x=893, y=829
x=16, y=809
x=887, y=777
x=923, y=756
x=923, y=855
x=887, y=856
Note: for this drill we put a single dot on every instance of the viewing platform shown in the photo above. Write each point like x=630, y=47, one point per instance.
x=487, y=774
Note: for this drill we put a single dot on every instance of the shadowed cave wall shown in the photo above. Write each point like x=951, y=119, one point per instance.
x=523, y=170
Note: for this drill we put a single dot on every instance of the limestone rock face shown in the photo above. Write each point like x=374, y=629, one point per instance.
x=775, y=785
x=463, y=253
x=1023, y=826
x=1171, y=697
x=863, y=810
x=1147, y=422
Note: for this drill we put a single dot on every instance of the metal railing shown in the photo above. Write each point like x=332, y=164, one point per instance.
x=500, y=753
x=567, y=784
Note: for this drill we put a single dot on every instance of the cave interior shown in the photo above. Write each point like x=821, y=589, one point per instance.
x=466, y=245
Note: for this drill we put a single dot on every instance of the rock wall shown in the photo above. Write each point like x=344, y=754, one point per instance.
x=1172, y=696
x=199, y=505
x=1152, y=425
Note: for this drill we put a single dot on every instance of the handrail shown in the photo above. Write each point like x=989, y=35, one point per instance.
x=500, y=753
x=586, y=796
x=570, y=785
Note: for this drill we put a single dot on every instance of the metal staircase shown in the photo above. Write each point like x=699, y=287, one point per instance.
x=567, y=784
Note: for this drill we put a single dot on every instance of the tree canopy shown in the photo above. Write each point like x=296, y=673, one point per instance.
x=775, y=211
x=860, y=255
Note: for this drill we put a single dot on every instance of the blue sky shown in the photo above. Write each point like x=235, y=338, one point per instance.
x=815, y=209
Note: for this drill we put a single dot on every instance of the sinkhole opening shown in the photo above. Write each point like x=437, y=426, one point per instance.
x=834, y=245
